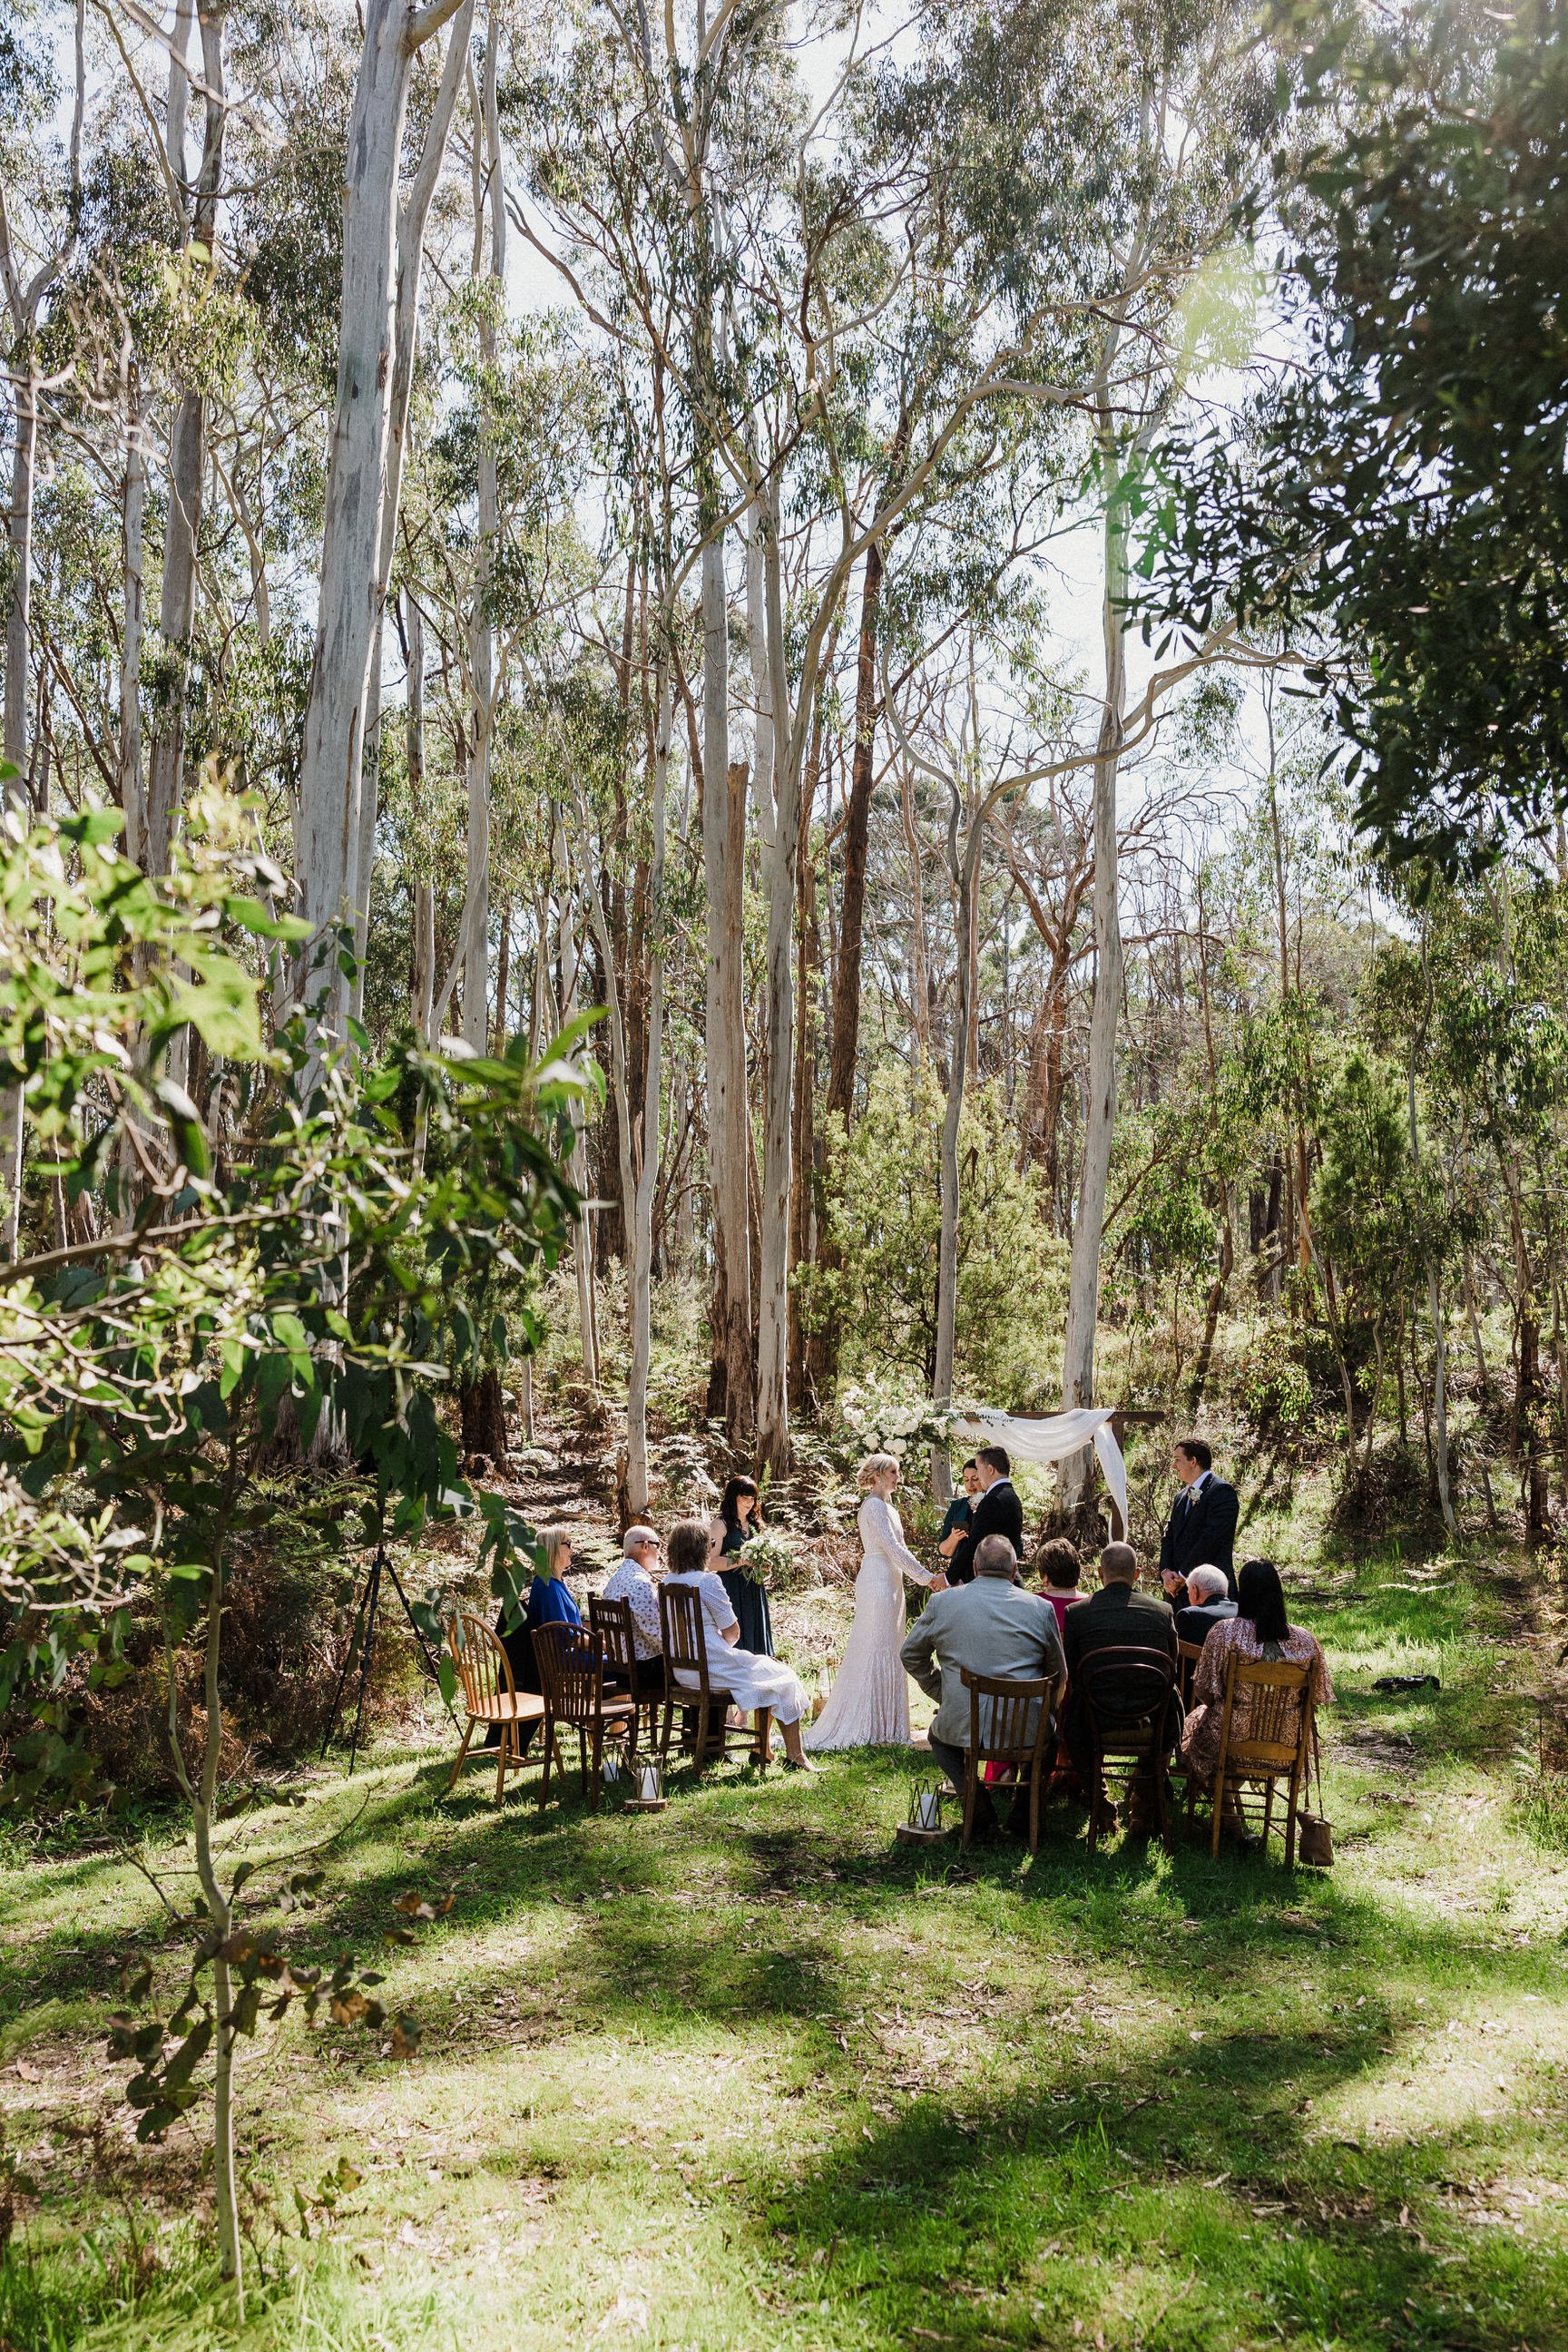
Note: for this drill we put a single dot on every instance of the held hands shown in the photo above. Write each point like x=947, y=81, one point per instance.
x=939, y=1582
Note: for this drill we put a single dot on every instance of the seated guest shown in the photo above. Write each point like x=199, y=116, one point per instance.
x=1208, y=1604
x=548, y=1604
x=633, y=1583
x=1116, y=1617
x=753, y=1682
x=995, y=1628
x=955, y=1526
x=1059, y=1565
x=1258, y=1629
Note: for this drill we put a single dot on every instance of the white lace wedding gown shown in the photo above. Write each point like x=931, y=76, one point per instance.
x=869, y=1705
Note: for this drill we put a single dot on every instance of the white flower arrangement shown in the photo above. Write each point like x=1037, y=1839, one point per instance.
x=887, y=1419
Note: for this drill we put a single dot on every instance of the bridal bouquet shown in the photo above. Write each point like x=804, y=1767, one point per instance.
x=769, y=1557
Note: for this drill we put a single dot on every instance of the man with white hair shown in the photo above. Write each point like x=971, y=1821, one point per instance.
x=633, y=1583
x=1208, y=1604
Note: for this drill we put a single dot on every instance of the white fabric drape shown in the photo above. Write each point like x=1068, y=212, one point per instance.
x=1051, y=1439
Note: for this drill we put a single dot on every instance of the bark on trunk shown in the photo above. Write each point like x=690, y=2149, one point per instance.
x=482, y=637
x=349, y=597
x=778, y=1117
x=187, y=475
x=1100, y=1110
x=845, y=1038
x=133, y=511
x=729, y=1140
x=481, y=1411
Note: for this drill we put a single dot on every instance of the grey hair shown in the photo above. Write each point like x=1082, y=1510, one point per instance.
x=995, y=1555
x=637, y=1534
x=1120, y=1561
x=1206, y=1584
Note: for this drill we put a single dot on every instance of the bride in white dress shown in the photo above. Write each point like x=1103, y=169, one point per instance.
x=869, y=1705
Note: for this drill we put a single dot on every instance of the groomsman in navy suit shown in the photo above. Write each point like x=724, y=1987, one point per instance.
x=1201, y=1529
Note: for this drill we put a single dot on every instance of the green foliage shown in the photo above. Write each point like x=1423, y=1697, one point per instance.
x=1400, y=502
x=884, y=1212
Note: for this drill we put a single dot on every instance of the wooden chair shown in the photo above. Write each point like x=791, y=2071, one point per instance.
x=1187, y=1656
x=612, y=1625
x=686, y=1652
x=1265, y=1735
x=1125, y=1694
x=1000, y=1733
x=570, y=1663
x=489, y=1695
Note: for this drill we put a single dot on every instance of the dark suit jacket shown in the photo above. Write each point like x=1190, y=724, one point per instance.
x=1197, y=1620
x=997, y=1512
x=1203, y=1534
x=1118, y=1616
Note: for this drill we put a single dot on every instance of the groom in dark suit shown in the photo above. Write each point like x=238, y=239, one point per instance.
x=996, y=1511
x=1201, y=1529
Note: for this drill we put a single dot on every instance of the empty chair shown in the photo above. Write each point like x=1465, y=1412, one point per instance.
x=489, y=1695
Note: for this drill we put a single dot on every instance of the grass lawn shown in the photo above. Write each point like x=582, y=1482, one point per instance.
x=743, y=2074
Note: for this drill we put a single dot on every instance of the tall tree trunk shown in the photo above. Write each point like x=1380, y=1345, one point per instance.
x=13, y=734
x=1439, y=1357
x=187, y=474
x=482, y=634
x=422, y=979
x=845, y=1037
x=638, y=1138
x=808, y=957
x=778, y=1117
x=963, y=878
x=132, y=515
x=349, y=597
x=729, y=1137
x=1100, y=1110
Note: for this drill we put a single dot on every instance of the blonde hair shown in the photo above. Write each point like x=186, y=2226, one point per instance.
x=875, y=1467
x=552, y=1541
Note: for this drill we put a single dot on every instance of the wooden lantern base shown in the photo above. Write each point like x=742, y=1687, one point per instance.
x=645, y=1804
x=911, y=1835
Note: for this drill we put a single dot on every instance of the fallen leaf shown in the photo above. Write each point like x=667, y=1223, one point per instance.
x=28, y=2072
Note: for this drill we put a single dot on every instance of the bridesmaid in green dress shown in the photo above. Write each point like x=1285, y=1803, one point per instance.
x=742, y=1512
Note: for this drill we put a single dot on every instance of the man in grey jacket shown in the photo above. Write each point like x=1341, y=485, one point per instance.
x=994, y=1627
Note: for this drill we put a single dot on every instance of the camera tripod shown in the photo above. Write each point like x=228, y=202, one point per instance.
x=365, y=1607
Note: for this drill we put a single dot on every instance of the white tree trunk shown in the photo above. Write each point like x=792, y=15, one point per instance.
x=482, y=634
x=133, y=510
x=637, y=1141
x=781, y=851
x=411, y=224
x=13, y=734
x=729, y=1139
x=576, y=1163
x=963, y=874
x=188, y=473
x=349, y=598
x=423, y=974
x=1099, y=1114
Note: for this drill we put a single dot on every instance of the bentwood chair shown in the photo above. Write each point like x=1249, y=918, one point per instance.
x=1126, y=1694
x=703, y=1702
x=1187, y=1656
x=1265, y=1738
x=571, y=1661
x=489, y=1695
x=1009, y=1724
x=612, y=1628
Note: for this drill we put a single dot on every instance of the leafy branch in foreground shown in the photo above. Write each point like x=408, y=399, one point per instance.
x=292, y=1256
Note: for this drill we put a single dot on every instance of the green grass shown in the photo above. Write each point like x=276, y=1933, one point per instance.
x=746, y=2075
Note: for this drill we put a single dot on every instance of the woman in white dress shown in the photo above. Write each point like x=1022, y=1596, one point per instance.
x=869, y=1705
x=751, y=1681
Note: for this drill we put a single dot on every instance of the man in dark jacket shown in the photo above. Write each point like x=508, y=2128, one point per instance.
x=1206, y=1606
x=996, y=1511
x=1116, y=1617
x=1202, y=1528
